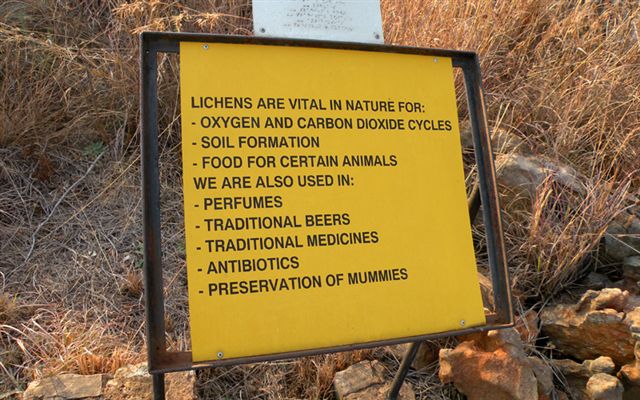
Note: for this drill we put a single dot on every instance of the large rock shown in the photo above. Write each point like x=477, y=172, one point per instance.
x=66, y=387
x=495, y=366
x=133, y=382
x=602, y=323
x=366, y=381
x=604, y=387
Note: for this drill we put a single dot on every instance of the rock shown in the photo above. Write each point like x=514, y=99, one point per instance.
x=358, y=377
x=528, y=326
x=366, y=381
x=604, y=387
x=398, y=350
x=597, y=281
x=133, y=382
x=622, y=239
x=574, y=377
x=612, y=298
x=631, y=268
x=631, y=272
x=67, y=386
x=588, y=368
x=601, y=365
x=427, y=353
x=597, y=325
x=495, y=366
x=380, y=392
x=633, y=320
x=544, y=376
x=630, y=376
x=486, y=289
x=577, y=375
x=521, y=175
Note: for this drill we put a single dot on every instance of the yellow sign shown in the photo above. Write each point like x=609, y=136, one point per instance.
x=324, y=199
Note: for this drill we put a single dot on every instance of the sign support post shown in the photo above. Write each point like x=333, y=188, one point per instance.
x=161, y=360
x=154, y=297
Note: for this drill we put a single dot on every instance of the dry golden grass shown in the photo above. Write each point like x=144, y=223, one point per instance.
x=555, y=242
x=561, y=76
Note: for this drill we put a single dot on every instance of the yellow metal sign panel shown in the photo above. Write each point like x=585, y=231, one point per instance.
x=324, y=199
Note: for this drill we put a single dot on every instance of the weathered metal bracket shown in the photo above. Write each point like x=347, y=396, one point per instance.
x=160, y=360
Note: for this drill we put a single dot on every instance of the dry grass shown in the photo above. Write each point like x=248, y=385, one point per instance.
x=561, y=76
x=556, y=241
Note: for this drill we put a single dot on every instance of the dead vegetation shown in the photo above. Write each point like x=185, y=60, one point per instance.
x=561, y=76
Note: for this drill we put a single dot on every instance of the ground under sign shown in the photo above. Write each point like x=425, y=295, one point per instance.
x=323, y=194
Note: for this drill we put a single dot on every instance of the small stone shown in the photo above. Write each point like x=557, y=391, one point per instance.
x=588, y=368
x=65, y=387
x=357, y=377
x=613, y=298
x=366, y=381
x=397, y=350
x=427, y=353
x=630, y=374
x=544, y=375
x=486, y=290
x=622, y=239
x=380, y=392
x=133, y=382
x=631, y=270
x=604, y=387
x=601, y=365
x=597, y=281
x=633, y=320
x=528, y=326
x=576, y=375
x=570, y=368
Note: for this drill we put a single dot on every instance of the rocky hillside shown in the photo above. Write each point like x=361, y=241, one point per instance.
x=561, y=81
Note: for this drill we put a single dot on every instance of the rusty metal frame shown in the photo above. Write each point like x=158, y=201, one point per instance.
x=160, y=360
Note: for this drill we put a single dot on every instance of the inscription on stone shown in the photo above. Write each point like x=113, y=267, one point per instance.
x=341, y=20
